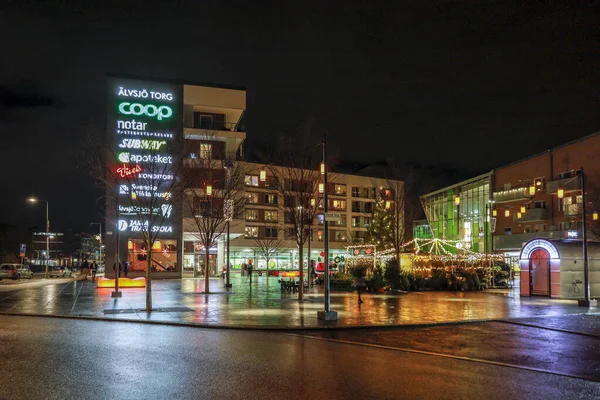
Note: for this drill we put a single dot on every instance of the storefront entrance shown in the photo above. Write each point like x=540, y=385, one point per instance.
x=539, y=273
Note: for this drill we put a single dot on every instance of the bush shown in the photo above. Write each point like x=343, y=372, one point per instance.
x=359, y=270
x=376, y=282
x=392, y=274
x=405, y=282
x=417, y=283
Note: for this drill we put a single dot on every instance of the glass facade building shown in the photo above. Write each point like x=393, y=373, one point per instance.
x=462, y=212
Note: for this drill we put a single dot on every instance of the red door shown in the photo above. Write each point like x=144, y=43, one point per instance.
x=539, y=273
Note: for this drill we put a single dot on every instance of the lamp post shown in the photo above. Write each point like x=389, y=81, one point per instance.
x=35, y=200
x=327, y=314
x=99, y=240
x=229, y=215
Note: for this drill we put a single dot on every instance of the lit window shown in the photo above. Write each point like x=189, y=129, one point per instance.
x=251, y=180
x=205, y=151
x=251, y=232
x=271, y=216
x=252, y=198
x=251, y=215
x=271, y=199
x=340, y=189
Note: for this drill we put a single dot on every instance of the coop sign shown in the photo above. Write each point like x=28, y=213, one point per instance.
x=149, y=110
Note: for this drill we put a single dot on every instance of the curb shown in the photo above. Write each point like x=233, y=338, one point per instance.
x=330, y=327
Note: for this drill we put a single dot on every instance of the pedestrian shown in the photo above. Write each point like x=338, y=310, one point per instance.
x=313, y=272
x=94, y=270
x=244, y=267
x=224, y=271
x=117, y=272
x=360, y=285
x=125, y=268
x=249, y=269
x=84, y=268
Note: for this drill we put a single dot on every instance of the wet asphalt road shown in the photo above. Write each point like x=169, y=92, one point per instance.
x=64, y=358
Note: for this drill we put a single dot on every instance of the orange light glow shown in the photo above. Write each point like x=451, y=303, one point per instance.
x=507, y=213
x=595, y=216
x=561, y=193
x=519, y=215
x=523, y=209
x=123, y=282
x=129, y=245
x=289, y=274
x=494, y=213
x=531, y=190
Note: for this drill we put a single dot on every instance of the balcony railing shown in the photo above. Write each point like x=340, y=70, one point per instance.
x=568, y=185
x=533, y=214
x=217, y=126
x=512, y=195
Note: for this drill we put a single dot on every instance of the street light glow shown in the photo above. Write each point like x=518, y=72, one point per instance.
x=32, y=200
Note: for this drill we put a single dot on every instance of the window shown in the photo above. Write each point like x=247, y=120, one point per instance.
x=563, y=226
x=539, y=228
x=539, y=184
x=527, y=229
x=342, y=221
x=271, y=216
x=205, y=151
x=251, y=215
x=355, y=206
x=252, y=198
x=339, y=236
x=366, y=222
x=355, y=222
x=507, y=186
x=251, y=231
x=539, y=204
x=339, y=204
x=251, y=180
x=204, y=208
x=290, y=233
x=355, y=191
x=566, y=175
x=270, y=232
x=271, y=199
x=320, y=219
x=365, y=192
x=368, y=207
x=508, y=231
x=579, y=199
x=340, y=189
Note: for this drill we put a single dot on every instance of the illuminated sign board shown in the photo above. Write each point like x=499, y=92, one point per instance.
x=145, y=128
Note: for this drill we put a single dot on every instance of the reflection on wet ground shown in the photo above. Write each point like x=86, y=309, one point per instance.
x=262, y=304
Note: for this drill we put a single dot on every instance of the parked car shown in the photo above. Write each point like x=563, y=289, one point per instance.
x=9, y=271
x=60, y=272
x=25, y=272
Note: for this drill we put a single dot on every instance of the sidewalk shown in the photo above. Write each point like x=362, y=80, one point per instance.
x=262, y=305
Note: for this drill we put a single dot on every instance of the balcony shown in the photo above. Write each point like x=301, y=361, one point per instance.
x=572, y=210
x=533, y=214
x=506, y=196
x=569, y=185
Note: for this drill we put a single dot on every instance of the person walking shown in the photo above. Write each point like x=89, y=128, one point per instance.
x=94, y=270
x=125, y=268
x=85, y=268
x=249, y=268
x=360, y=285
x=313, y=272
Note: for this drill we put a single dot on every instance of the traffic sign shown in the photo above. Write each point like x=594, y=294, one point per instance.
x=22, y=250
x=333, y=217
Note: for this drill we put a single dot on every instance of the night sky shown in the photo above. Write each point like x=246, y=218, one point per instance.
x=467, y=85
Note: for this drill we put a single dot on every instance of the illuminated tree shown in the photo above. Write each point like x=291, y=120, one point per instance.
x=214, y=195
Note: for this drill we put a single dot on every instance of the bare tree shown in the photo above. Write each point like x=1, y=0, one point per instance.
x=214, y=195
x=268, y=247
x=297, y=183
x=141, y=188
x=593, y=206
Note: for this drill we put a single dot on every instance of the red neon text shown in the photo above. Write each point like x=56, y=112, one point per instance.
x=125, y=171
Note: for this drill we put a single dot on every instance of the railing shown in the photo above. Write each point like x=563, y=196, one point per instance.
x=568, y=185
x=512, y=195
x=533, y=214
x=217, y=126
x=507, y=242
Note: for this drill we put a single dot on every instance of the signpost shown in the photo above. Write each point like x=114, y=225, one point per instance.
x=333, y=217
x=22, y=251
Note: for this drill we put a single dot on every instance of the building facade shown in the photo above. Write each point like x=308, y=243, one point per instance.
x=205, y=126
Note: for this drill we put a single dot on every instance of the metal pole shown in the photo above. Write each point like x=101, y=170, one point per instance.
x=116, y=292
x=47, y=240
x=587, y=301
x=327, y=314
x=227, y=282
x=100, y=251
x=309, y=262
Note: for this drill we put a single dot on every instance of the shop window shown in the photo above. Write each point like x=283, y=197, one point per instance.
x=252, y=198
x=527, y=229
x=251, y=215
x=271, y=216
x=164, y=255
x=251, y=180
x=539, y=228
x=270, y=233
x=205, y=151
x=355, y=191
x=251, y=231
x=508, y=231
x=271, y=199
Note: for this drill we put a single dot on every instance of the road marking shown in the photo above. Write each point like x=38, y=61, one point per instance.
x=462, y=358
x=529, y=325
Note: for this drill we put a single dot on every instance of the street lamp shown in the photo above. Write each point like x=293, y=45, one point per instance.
x=34, y=200
x=99, y=240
